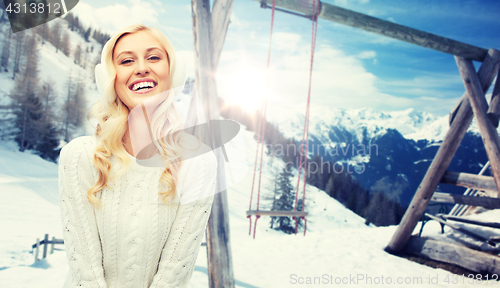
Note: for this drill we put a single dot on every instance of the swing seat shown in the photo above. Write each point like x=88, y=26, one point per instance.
x=277, y=213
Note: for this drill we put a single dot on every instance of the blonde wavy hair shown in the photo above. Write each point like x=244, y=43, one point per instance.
x=112, y=119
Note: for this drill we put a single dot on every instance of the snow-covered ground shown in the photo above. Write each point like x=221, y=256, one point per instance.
x=337, y=246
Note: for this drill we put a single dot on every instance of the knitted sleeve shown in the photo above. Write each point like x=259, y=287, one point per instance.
x=181, y=249
x=81, y=237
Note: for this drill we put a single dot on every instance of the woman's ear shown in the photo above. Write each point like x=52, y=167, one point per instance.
x=101, y=77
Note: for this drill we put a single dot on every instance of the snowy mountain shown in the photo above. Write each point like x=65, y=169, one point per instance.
x=389, y=151
x=336, y=125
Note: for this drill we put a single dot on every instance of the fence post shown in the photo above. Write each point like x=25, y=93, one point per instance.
x=52, y=245
x=36, y=249
x=45, y=240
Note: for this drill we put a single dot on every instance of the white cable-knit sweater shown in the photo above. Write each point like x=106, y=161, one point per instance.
x=134, y=240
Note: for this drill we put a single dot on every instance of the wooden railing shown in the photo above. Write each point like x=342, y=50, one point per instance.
x=45, y=242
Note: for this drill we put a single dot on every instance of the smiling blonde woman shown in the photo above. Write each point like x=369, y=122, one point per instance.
x=124, y=224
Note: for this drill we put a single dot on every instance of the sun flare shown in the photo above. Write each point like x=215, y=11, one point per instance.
x=247, y=89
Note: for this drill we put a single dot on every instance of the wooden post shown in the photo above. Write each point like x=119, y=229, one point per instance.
x=52, y=245
x=37, y=247
x=442, y=159
x=385, y=28
x=220, y=269
x=480, y=108
x=494, y=110
x=45, y=244
x=221, y=11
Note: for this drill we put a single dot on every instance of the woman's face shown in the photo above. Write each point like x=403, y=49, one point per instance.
x=142, y=68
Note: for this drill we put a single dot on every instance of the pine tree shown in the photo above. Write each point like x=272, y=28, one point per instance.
x=71, y=23
x=6, y=50
x=87, y=34
x=55, y=35
x=26, y=106
x=65, y=45
x=78, y=54
x=284, y=201
x=73, y=109
x=43, y=31
x=18, y=49
x=33, y=122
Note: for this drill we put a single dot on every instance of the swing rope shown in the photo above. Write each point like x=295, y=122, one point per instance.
x=305, y=134
x=261, y=131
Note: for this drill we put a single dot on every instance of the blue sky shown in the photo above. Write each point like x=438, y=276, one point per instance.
x=352, y=69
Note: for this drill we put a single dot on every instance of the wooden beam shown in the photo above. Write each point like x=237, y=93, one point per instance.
x=278, y=213
x=470, y=221
x=486, y=202
x=385, y=28
x=221, y=13
x=472, y=181
x=494, y=110
x=467, y=258
x=464, y=231
x=459, y=210
x=442, y=159
x=220, y=265
x=480, y=108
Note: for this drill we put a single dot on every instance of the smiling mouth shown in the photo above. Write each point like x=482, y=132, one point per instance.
x=143, y=87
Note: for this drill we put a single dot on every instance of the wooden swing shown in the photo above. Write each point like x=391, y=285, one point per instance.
x=296, y=215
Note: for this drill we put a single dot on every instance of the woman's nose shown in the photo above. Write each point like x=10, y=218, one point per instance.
x=142, y=67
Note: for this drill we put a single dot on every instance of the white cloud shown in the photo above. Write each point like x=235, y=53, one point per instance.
x=285, y=41
x=367, y=55
x=114, y=17
x=347, y=2
x=339, y=80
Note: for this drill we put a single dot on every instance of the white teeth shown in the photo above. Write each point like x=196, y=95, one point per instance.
x=142, y=85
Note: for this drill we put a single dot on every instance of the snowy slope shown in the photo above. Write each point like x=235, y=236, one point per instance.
x=57, y=67
x=337, y=243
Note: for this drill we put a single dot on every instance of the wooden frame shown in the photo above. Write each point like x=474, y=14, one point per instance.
x=277, y=213
x=454, y=254
x=486, y=202
x=442, y=159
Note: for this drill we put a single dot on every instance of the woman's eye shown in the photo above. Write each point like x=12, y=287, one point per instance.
x=125, y=61
x=154, y=58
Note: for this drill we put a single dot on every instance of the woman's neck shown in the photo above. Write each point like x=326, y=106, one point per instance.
x=145, y=151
